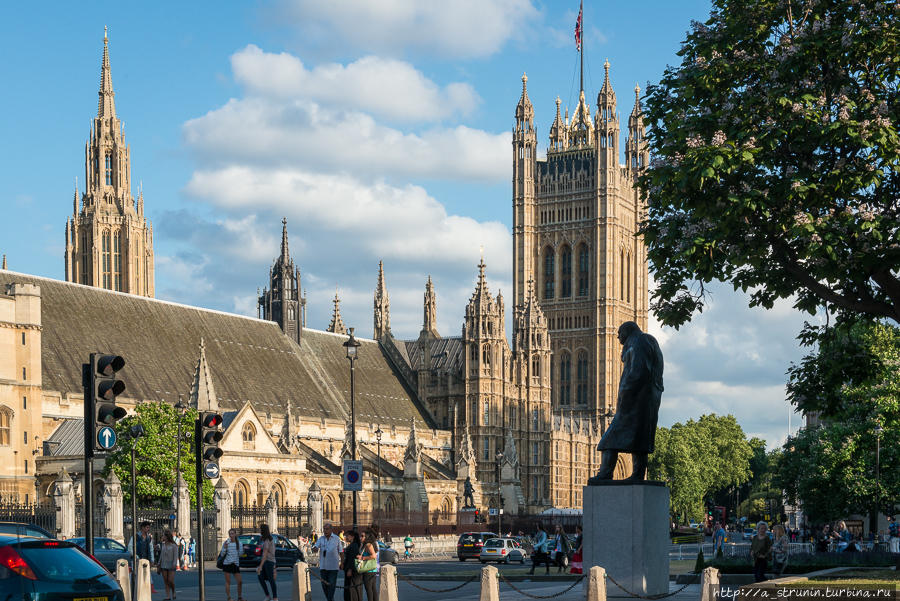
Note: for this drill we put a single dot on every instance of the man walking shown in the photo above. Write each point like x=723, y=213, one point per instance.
x=893, y=534
x=329, y=547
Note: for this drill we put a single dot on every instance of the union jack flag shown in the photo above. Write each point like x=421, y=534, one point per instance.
x=578, y=28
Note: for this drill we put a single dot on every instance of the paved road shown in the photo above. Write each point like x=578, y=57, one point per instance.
x=186, y=585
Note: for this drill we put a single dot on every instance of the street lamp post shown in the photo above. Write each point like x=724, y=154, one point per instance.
x=378, y=434
x=137, y=431
x=499, y=497
x=352, y=345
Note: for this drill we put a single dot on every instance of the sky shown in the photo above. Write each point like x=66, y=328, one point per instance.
x=379, y=128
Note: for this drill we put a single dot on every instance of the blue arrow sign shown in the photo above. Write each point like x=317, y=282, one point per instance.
x=106, y=438
x=211, y=470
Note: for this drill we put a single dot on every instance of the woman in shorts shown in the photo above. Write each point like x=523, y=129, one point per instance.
x=231, y=554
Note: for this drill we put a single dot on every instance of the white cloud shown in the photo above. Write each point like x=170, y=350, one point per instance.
x=384, y=87
x=268, y=131
x=458, y=29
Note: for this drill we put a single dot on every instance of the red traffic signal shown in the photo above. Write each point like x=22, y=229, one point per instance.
x=212, y=420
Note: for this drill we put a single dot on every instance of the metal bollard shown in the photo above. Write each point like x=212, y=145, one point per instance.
x=300, y=589
x=387, y=589
x=709, y=585
x=123, y=577
x=490, y=584
x=143, y=581
x=596, y=584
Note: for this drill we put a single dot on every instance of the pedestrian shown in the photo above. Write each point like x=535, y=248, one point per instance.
x=192, y=553
x=145, y=543
x=718, y=540
x=823, y=539
x=231, y=566
x=561, y=549
x=352, y=578
x=368, y=565
x=408, y=546
x=539, y=552
x=893, y=534
x=266, y=569
x=780, y=550
x=182, y=551
x=388, y=539
x=578, y=557
x=329, y=547
x=168, y=562
x=760, y=549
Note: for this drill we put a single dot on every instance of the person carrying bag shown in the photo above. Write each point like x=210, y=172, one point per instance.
x=367, y=565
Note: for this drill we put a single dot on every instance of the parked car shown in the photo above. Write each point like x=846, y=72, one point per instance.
x=502, y=550
x=106, y=550
x=749, y=533
x=41, y=568
x=286, y=552
x=386, y=554
x=22, y=528
x=470, y=543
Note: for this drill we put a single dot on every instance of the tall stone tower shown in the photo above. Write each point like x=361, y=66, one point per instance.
x=575, y=218
x=282, y=301
x=109, y=242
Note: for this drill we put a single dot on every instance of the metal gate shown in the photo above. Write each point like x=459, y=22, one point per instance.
x=43, y=515
x=210, y=535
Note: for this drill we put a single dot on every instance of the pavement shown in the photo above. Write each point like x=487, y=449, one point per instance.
x=186, y=584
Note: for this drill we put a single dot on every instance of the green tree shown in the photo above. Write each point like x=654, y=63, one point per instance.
x=697, y=458
x=155, y=462
x=830, y=467
x=775, y=159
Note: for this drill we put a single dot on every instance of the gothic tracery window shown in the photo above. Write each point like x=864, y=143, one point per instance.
x=565, y=272
x=106, y=260
x=117, y=261
x=248, y=435
x=108, y=169
x=5, y=424
x=581, y=394
x=565, y=379
x=549, y=273
x=584, y=263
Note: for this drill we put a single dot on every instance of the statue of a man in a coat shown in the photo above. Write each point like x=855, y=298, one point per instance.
x=633, y=429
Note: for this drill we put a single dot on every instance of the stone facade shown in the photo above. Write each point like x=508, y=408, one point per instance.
x=109, y=241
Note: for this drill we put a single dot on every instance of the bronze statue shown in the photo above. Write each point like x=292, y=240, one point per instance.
x=468, y=494
x=633, y=429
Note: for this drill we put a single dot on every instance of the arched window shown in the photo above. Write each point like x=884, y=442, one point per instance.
x=107, y=263
x=328, y=507
x=536, y=367
x=390, y=506
x=566, y=272
x=486, y=416
x=117, y=261
x=628, y=281
x=5, y=425
x=622, y=274
x=278, y=494
x=84, y=258
x=581, y=374
x=565, y=378
x=486, y=355
x=248, y=435
x=446, y=508
x=241, y=495
x=584, y=265
x=108, y=169
x=549, y=273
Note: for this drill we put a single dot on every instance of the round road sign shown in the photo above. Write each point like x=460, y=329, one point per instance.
x=106, y=438
x=211, y=470
x=352, y=476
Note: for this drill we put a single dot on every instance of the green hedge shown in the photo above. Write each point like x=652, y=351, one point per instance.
x=801, y=563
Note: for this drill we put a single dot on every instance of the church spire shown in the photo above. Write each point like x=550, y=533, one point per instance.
x=337, y=323
x=203, y=394
x=285, y=255
x=382, y=304
x=106, y=108
x=429, y=321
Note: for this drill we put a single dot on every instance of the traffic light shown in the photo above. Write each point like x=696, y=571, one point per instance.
x=208, y=437
x=104, y=388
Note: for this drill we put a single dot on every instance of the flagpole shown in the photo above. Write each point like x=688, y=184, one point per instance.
x=581, y=13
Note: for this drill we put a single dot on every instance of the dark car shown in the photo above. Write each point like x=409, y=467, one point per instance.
x=41, y=568
x=23, y=529
x=470, y=543
x=286, y=552
x=107, y=551
x=386, y=554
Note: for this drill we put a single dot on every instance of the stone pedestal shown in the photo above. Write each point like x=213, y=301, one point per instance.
x=626, y=532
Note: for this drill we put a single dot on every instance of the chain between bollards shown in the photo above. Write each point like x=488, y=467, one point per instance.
x=521, y=592
x=434, y=590
x=653, y=597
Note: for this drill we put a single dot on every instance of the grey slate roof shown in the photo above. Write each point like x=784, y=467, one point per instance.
x=250, y=359
x=68, y=438
x=446, y=353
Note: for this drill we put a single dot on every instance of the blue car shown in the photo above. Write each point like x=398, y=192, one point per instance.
x=40, y=568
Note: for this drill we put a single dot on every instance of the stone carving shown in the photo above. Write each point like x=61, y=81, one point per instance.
x=633, y=429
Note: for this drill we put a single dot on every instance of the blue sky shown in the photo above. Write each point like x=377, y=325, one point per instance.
x=380, y=129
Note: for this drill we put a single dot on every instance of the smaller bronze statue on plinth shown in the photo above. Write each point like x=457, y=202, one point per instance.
x=468, y=494
x=633, y=429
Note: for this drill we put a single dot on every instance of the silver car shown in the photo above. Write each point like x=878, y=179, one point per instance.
x=502, y=550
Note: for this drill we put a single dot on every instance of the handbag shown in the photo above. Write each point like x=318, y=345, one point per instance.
x=220, y=559
x=366, y=565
